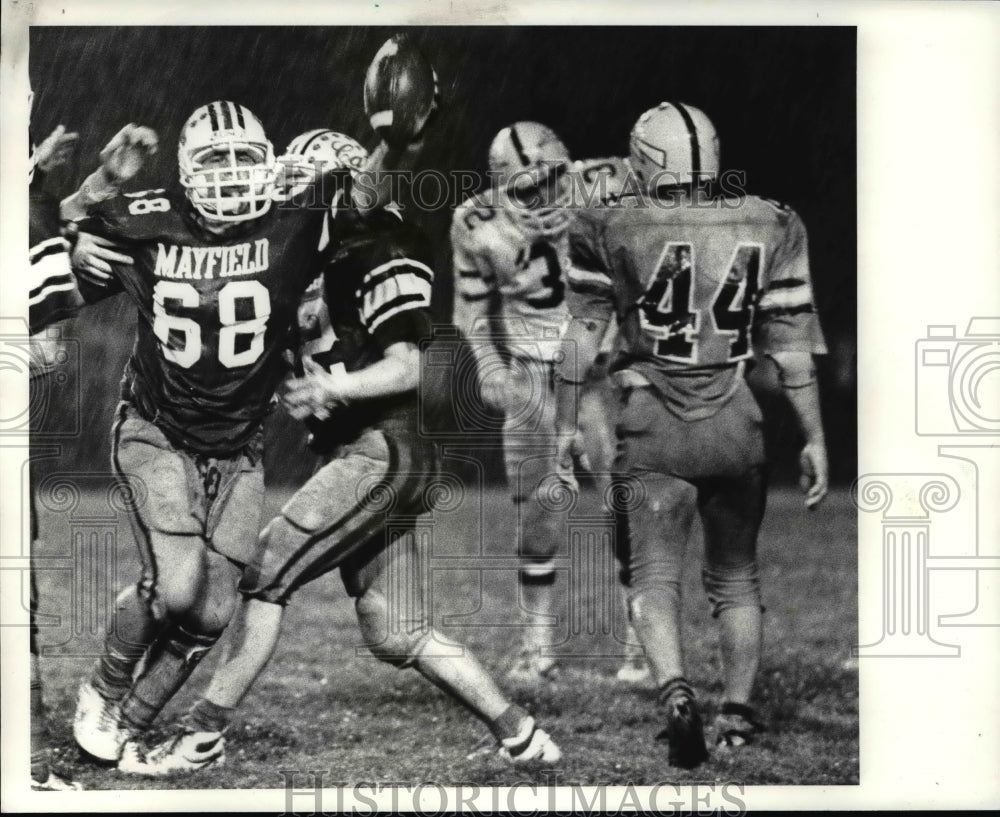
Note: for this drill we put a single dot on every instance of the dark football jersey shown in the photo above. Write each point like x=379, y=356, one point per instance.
x=214, y=312
x=694, y=287
x=376, y=292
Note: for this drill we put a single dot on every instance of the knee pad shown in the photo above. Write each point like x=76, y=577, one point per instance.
x=399, y=646
x=731, y=586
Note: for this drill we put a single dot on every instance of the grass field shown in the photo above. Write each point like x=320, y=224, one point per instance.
x=322, y=705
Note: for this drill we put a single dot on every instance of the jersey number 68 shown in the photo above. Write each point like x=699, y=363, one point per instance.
x=186, y=351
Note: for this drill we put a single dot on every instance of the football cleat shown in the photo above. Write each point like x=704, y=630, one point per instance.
x=674, y=144
x=532, y=667
x=531, y=745
x=736, y=725
x=183, y=752
x=53, y=781
x=684, y=730
x=97, y=728
x=531, y=170
x=227, y=165
x=634, y=670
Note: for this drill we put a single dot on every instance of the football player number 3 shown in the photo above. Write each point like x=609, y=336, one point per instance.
x=669, y=314
x=181, y=337
x=551, y=278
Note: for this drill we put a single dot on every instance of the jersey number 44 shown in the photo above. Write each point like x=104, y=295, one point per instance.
x=678, y=321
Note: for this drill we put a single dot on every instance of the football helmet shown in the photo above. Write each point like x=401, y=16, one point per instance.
x=531, y=171
x=226, y=162
x=674, y=144
x=315, y=152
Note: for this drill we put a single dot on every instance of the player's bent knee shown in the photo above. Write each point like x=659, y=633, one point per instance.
x=729, y=587
x=178, y=595
x=279, y=540
x=653, y=602
x=398, y=646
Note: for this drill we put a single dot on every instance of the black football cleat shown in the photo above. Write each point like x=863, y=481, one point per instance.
x=684, y=731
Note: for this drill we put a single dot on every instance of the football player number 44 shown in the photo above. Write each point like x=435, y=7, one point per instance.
x=669, y=314
x=181, y=337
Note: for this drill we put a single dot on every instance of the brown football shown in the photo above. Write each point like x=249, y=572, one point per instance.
x=400, y=91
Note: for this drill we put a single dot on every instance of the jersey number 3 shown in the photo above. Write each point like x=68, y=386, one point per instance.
x=181, y=337
x=668, y=313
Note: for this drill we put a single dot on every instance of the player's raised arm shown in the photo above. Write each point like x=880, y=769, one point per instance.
x=121, y=159
x=401, y=101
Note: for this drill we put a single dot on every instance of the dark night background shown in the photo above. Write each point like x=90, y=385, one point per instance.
x=782, y=100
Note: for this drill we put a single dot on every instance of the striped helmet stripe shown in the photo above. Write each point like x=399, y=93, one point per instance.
x=240, y=121
x=515, y=139
x=213, y=116
x=227, y=115
x=693, y=136
x=312, y=140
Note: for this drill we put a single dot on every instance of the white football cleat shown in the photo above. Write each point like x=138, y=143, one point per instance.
x=184, y=752
x=635, y=671
x=532, y=745
x=97, y=728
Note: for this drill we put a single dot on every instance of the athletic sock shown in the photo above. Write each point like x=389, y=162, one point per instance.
x=39, y=728
x=172, y=658
x=131, y=632
x=206, y=716
x=678, y=684
x=510, y=723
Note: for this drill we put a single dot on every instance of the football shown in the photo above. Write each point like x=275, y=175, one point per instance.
x=401, y=91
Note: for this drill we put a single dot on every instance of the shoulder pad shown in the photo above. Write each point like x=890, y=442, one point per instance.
x=782, y=212
x=472, y=213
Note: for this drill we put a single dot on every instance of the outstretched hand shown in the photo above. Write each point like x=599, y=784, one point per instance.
x=56, y=149
x=316, y=393
x=95, y=254
x=127, y=152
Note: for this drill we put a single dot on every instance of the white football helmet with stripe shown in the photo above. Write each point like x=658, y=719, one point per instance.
x=315, y=152
x=226, y=162
x=530, y=167
x=674, y=144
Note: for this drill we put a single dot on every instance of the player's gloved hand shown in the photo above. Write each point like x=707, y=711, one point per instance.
x=127, y=152
x=316, y=393
x=570, y=454
x=94, y=255
x=815, y=473
x=55, y=149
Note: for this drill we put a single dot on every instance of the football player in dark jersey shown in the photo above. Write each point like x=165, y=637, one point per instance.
x=692, y=278
x=360, y=333
x=53, y=296
x=217, y=274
